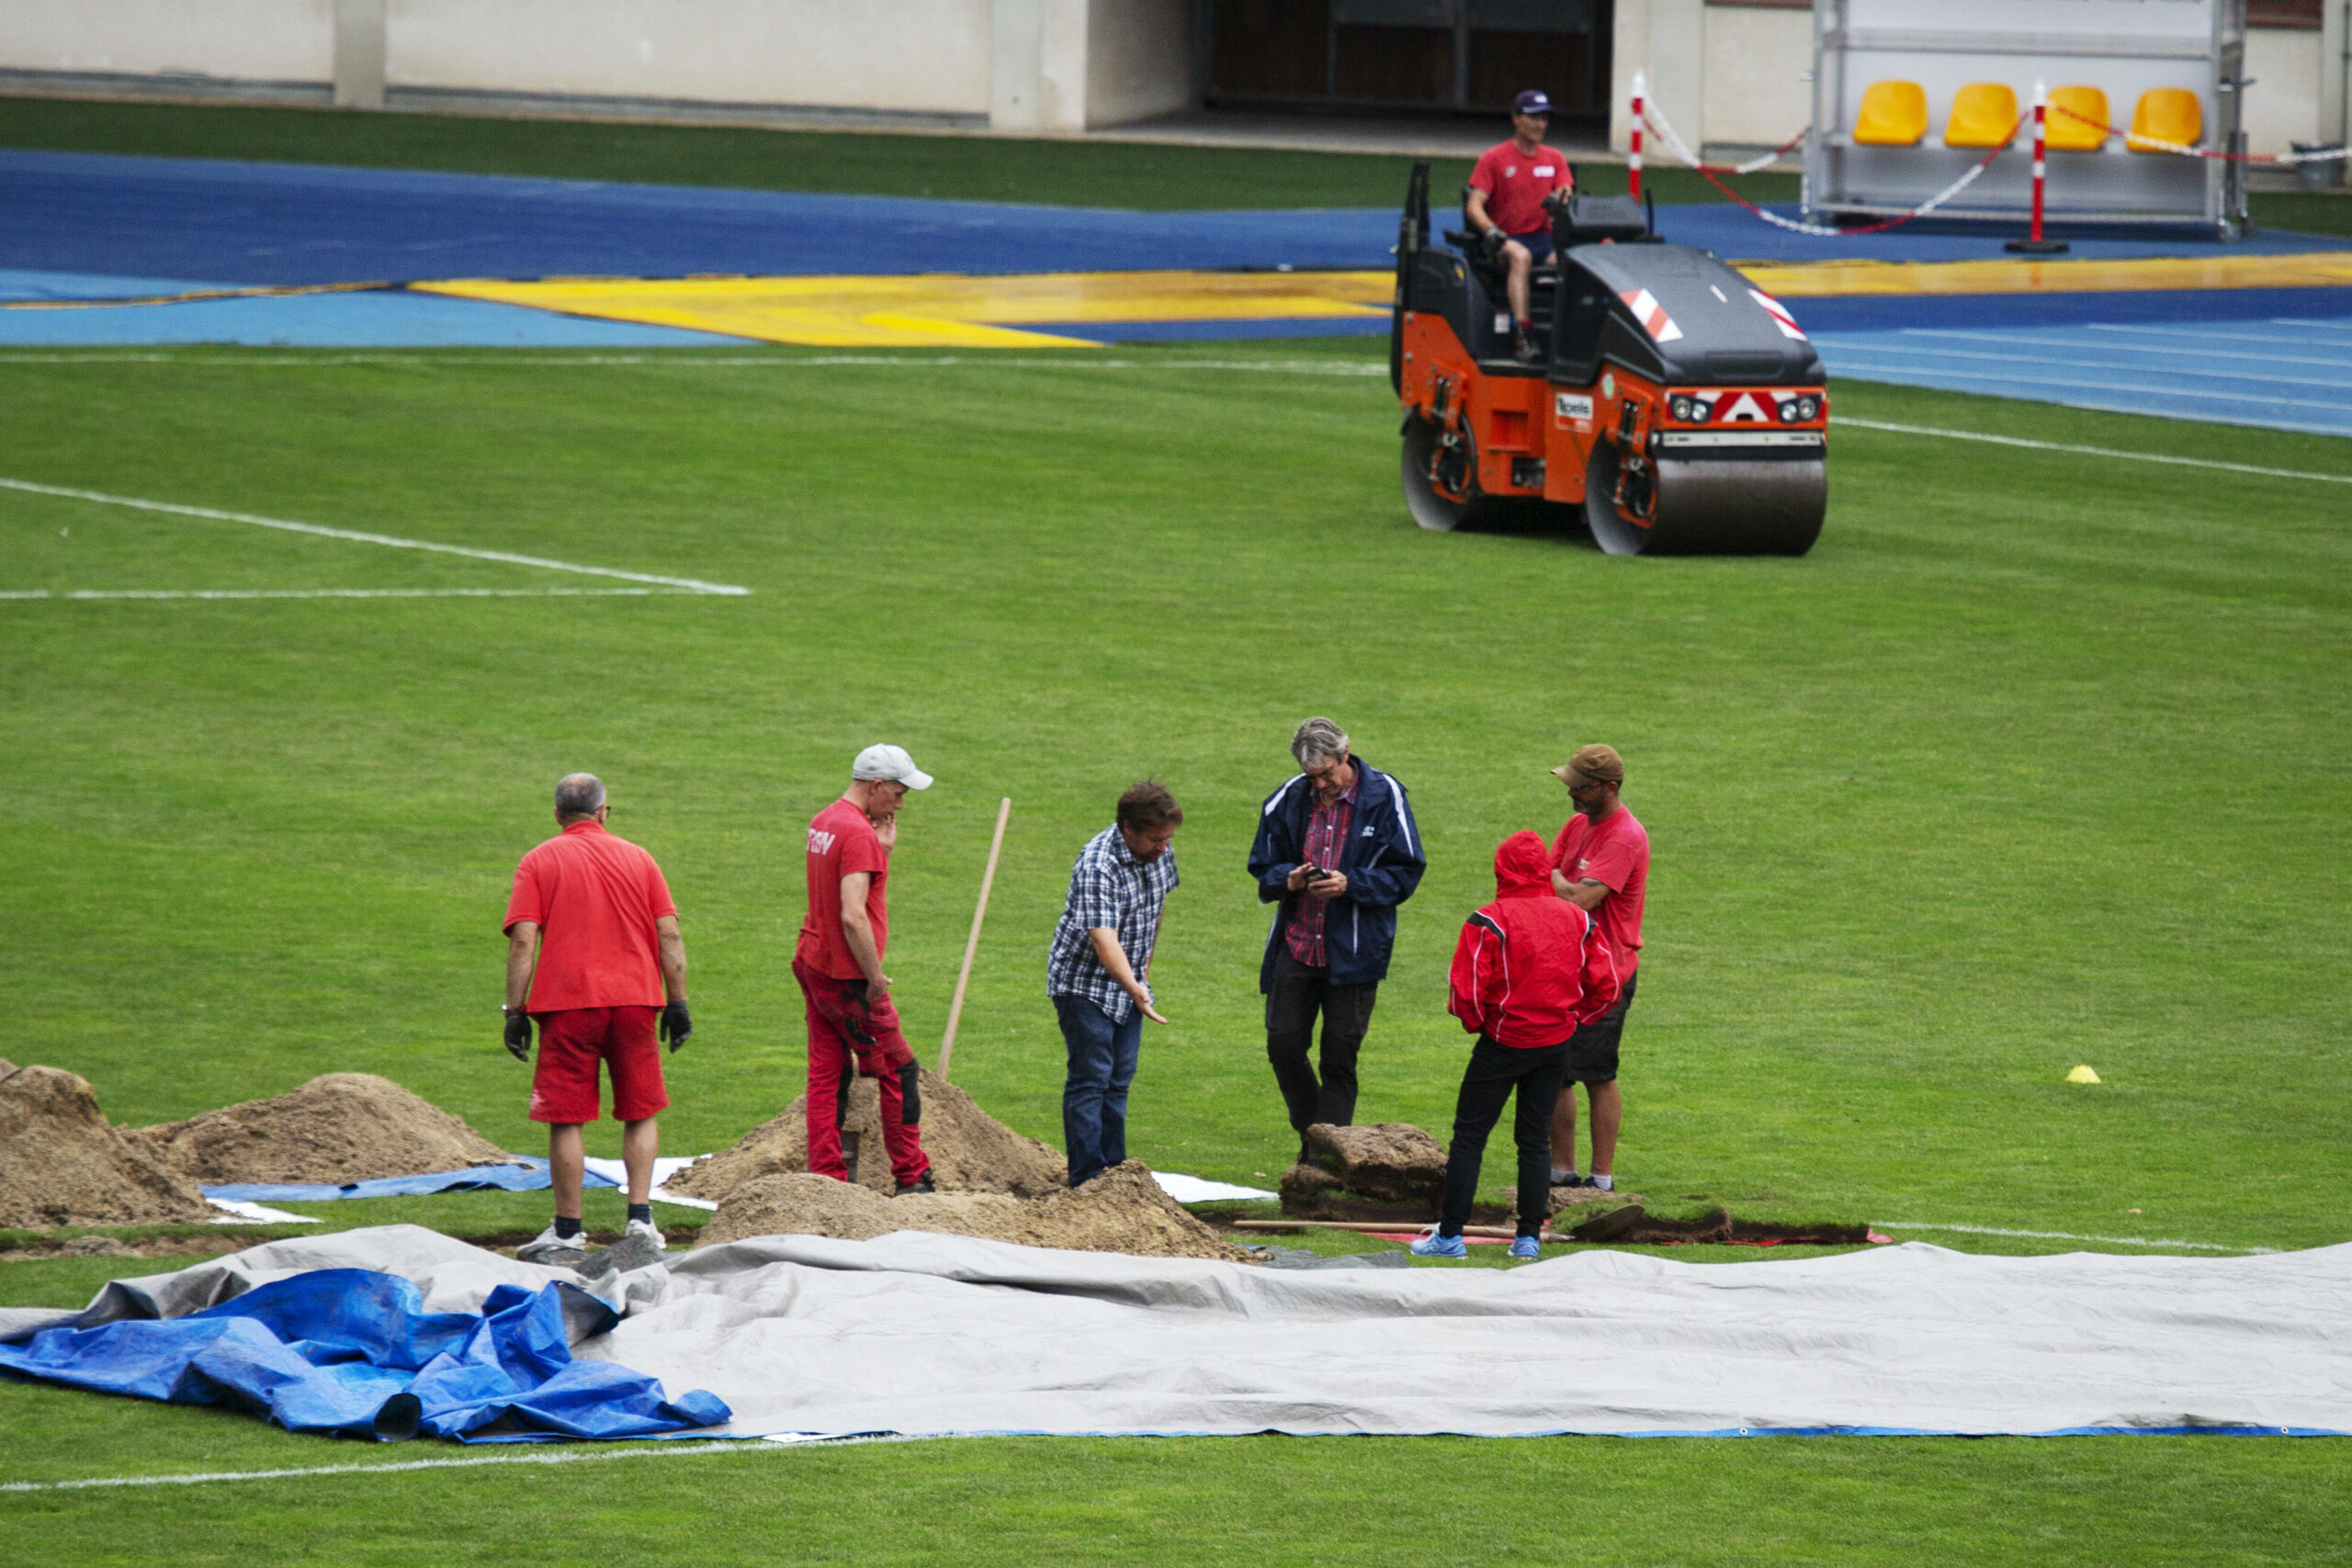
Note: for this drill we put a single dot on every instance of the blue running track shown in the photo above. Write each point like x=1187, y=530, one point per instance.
x=2287, y=372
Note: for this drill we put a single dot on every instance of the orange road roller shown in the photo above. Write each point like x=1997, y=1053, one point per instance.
x=1681, y=409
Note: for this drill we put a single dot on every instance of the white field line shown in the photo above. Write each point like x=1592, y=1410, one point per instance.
x=679, y=360
x=341, y=593
x=2093, y=451
x=2067, y=1235
x=393, y=541
x=558, y=1456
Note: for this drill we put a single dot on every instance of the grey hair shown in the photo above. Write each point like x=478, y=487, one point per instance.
x=1319, y=738
x=578, y=794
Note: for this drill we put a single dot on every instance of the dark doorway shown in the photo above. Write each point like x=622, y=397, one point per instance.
x=1433, y=56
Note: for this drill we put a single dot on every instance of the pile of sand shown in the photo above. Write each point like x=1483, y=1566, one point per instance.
x=66, y=1166
x=1122, y=1210
x=970, y=1150
x=338, y=1127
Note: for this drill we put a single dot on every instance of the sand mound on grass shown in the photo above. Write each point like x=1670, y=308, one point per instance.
x=970, y=1150
x=66, y=1166
x=1122, y=1210
x=338, y=1127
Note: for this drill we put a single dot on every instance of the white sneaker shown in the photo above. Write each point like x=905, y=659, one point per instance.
x=645, y=1228
x=556, y=1251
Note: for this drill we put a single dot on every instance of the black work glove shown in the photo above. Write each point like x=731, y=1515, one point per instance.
x=518, y=1036
x=1491, y=241
x=676, y=1023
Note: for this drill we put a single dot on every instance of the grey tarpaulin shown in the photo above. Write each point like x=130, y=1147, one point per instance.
x=917, y=1333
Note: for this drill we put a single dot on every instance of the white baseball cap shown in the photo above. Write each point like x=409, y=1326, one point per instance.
x=890, y=762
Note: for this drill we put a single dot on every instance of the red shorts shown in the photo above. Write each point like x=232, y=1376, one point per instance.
x=563, y=1086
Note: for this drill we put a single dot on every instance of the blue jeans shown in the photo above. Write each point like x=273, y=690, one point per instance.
x=1095, y=1097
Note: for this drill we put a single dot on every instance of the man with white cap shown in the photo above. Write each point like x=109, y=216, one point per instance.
x=853, y=1025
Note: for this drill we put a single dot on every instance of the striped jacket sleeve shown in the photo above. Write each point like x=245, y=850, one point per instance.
x=1480, y=976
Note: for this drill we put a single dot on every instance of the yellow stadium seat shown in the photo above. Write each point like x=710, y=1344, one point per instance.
x=1983, y=115
x=1893, y=114
x=2167, y=114
x=2068, y=134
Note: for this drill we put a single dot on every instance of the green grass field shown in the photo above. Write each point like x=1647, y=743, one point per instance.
x=2037, y=760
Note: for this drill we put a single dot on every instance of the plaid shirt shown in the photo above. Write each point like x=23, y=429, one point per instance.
x=1326, y=836
x=1109, y=886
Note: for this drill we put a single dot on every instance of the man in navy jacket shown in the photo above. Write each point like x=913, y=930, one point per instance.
x=1337, y=849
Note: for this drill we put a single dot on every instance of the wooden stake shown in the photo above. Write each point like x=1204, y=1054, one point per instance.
x=972, y=943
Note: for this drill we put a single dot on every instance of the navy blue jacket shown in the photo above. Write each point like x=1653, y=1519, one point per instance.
x=1381, y=861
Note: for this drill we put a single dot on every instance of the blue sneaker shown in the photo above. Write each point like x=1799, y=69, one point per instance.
x=1436, y=1245
x=1525, y=1248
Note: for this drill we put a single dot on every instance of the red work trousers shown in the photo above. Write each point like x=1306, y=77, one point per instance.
x=838, y=1015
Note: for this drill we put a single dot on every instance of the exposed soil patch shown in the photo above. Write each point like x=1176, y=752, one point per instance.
x=338, y=1127
x=970, y=1150
x=1122, y=1210
x=1629, y=1226
x=66, y=1165
x=143, y=1246
x=1393, y=1170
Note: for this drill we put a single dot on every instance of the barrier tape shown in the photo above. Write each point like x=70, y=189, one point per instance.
x=1674, y=144
x=2156, y=143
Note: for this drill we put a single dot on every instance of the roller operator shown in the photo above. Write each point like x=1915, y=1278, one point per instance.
x=1505, y=205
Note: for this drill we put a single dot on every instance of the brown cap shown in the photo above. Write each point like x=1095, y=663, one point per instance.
x=1598, y=763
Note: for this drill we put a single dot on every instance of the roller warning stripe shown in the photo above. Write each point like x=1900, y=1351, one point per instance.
x=1780, y=314
x=1651, y=314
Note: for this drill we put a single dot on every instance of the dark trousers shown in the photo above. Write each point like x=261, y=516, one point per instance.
x=1103, y=1056
x=1494, y=1071
x=1297, y=995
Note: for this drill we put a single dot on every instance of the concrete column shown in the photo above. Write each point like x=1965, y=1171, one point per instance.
x=1678, y=66
x=1016, y=62
x=359, y=54
x=2335, y=39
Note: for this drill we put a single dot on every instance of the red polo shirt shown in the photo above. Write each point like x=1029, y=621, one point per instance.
x=594, y=898
x=841, y=841
x=1615, y=853
x=1516, y=185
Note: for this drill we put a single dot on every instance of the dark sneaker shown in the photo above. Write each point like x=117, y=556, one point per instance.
x=1528, y=353
x=1572, y=1179
x=920, y=1184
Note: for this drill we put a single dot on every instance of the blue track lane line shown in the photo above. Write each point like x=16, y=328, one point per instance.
x=383, y=320
x=2215, y=372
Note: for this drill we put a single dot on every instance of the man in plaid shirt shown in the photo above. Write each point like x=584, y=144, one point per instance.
x=1097, y=968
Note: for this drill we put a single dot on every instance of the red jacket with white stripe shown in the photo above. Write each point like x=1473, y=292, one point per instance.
x=1531, y=966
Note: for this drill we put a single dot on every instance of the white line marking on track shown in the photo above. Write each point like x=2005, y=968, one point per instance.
x=2092, y=451
x=2067, y=1235
x=2074, y=361
x=343, y=593
x=560, y=1456
x=692, y=585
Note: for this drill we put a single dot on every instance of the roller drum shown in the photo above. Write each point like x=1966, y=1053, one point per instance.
x=1713, y=505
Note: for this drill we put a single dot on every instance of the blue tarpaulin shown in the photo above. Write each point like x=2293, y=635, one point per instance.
x=352, y=1351
x=522, y=1175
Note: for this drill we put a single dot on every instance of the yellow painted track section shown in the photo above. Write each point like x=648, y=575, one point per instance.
x=2315, y=269
x=940, y=310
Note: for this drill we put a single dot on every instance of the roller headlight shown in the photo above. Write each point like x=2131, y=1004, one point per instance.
x=1799, y=411
x=1688, y=409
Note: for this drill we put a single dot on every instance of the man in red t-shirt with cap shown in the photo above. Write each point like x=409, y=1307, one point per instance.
x=1600, y=863
x=1505, y=206
x=593, y=958
x=853, y=1026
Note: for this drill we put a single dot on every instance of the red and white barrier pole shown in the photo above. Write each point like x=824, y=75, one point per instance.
x=2036, y=244
x=1634, y=163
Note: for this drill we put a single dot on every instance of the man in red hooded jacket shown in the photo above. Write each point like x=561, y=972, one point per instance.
x=1529, y=969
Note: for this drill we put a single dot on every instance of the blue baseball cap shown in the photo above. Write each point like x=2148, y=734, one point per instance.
x=1530, y=102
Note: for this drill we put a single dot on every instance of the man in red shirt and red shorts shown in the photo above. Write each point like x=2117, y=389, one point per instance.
x=1506, y=203
x=853, y=1026
x=594, y=958
x=1600, y=863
